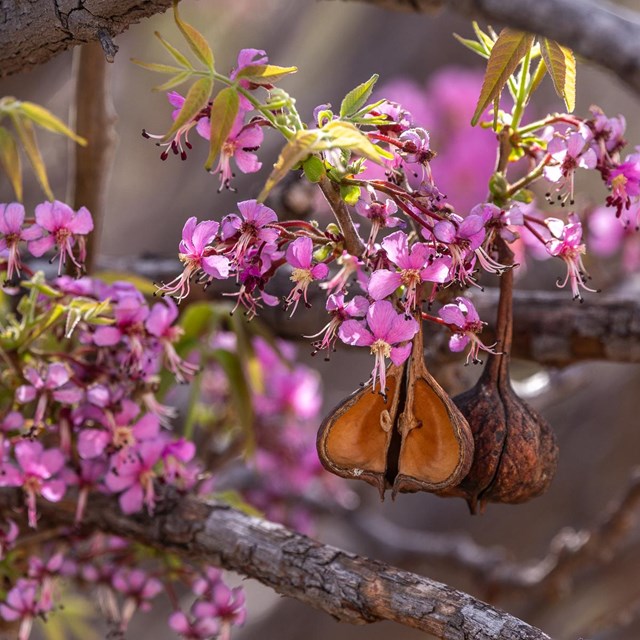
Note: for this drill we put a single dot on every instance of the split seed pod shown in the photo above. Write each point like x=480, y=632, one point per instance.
x=411, y=439
x=515, y=448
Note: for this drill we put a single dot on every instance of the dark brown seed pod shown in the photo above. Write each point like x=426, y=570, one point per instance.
x=515, y=448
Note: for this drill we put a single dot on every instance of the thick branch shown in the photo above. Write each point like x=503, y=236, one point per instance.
x=33, y=31
x=598, y=31
x=349, y=587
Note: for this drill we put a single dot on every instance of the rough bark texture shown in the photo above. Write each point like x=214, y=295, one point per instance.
x=33, y=31
x=349, y=587
x=598, y=31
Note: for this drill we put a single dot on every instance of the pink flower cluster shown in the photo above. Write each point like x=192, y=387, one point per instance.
x=56, y=226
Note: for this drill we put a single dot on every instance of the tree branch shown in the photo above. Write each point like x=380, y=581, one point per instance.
x=351, y=588
x=34, y=31
x=94, y=118
x=602, y=32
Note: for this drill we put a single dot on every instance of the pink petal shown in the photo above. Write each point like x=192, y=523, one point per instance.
x=11, y=218
x=381, y=318
x=39, y=247
x=28, y=453
x=400, y=354
x=92, y=442
x=204, y=234
x=357, y=307
x=299, y=253
x=254, y=211
x=320, y=271
x=57, y=375
x=175, y=99
x=161, y=317
x=355, y=333
x=131, y=500
x=458, y=342
x=186, y=244
x=68, y=395
x=31, y=233
x=452, y=314
x=52, y=460
x=106, y=336
x=25, y=393
x=82, y=222
x=247, y=162
x=203, y=127
x=437, y=271
x=383, y=283
x=403, y=329
x=469, y=308
x=445, y=231
x=397, y=247
x=53, y=490
x=216, y=266
x=251, y=137
x=147, y=427
x=45, y=216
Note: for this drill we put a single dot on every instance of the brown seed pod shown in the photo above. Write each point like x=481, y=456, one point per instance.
x=412, y=439
x=515, y=448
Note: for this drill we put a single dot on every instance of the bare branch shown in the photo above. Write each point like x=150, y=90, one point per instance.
x=94, y=118
x=600, y=31
x=33, y=32
x=352, y=241
x=349, y=587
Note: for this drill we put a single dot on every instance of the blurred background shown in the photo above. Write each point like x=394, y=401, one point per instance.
x=593, y=408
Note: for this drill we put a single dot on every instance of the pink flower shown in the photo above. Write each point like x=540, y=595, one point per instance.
x=50, y=383
x=64, y=226
x=463, y=319
x=160, y=324
x=24, y=603
x=198, y=629
x=568, y=153
x=624, y=181
x=240, y=144
x=384, y=331
x=339, y=312
x=132, y=476
x=11, y=221
x=300, y=256
x=8, y=535
x=415, y=266
x=380, y=214
x=197, y=256
x=567, y=245
x=36, y=474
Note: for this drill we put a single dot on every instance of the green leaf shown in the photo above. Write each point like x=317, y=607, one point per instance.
x=176, y=81
x=508, y=50
x=299, y=147
x=180, y=58
x=264, y=73
x=240, y=392
x=196, y=99
x=158, y=68
x=45, y=119
x=475, y=46
x=356, y=98
x=195, y=40
x=313, y=169
x=350, y=193
x=10, y=161
x=536, y=79
x=561, y=65
x=26, y=133
x=223, y=114
x=347, y=136
x=142, y=284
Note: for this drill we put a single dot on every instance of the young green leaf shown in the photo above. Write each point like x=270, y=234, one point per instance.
x=195, y=40
x=223, y=114
x=264, y=73
x=313, y=169
x=195, y=100
x=299, y=147
x=180, y=58
x=27, y=135
x=356, y=98
x=47, y=120
x=158, y=68
x=536, y=79
x=561, y=65
x=347, y=136
x=176, y=81
x=484, y=39
x=350, y=193
x=10, y=161
x=508, y=50
x=475, y=46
